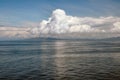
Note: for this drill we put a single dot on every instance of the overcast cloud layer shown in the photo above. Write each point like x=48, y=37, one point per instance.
x=61, y=25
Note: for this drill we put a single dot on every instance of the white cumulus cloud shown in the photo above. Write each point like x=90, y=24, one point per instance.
x=116, y=27
x=61, y=23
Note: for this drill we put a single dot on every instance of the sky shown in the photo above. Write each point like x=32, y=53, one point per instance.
x=23, y=18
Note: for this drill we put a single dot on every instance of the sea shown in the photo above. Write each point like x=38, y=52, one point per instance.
x=60, y=60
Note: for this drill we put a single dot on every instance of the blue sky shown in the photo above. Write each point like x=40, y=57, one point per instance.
x=15, y=12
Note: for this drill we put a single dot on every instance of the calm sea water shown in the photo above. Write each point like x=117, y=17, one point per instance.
x=60, y=60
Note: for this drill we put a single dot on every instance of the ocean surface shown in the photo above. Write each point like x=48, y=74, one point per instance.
x=60, y=60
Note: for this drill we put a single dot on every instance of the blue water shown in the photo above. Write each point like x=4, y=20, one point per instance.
x=60, y=60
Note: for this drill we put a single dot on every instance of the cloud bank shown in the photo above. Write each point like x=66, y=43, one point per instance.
x=14, y=32
x=61, y=25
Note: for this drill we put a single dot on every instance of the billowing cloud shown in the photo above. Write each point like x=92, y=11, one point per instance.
x=61, y=23
x=116, y=27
